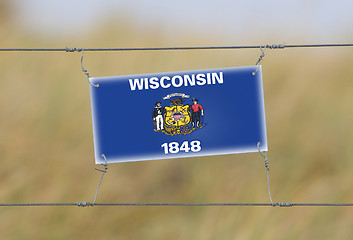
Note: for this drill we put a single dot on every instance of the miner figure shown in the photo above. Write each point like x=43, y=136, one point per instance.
x=196, y=113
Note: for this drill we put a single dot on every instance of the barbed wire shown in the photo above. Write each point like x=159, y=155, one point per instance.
x=262, y=47
x=268, y=46
x=88, y=204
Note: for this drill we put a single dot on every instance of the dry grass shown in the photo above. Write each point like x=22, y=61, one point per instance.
x=46, y=148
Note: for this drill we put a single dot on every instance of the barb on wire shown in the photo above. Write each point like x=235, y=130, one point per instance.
x=67, y=49
x=103, y=172
x=84, y=204
x=276, y=46
x=83, y=69
x=263, y=154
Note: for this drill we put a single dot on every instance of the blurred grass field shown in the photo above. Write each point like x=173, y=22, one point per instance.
x=46, y=146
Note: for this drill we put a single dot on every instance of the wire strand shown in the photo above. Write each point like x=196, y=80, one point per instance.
x=86, y=204
x=263, y=154
x=104, y=171
x=270, y=46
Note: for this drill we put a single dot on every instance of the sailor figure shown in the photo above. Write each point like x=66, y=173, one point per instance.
x=197, y=112
x=158, y=116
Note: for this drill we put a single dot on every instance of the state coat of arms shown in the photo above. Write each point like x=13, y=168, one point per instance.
x=179, y=117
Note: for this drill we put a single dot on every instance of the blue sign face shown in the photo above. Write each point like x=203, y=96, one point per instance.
x=178, y=114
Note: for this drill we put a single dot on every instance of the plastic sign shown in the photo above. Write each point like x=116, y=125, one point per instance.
x=178, y=114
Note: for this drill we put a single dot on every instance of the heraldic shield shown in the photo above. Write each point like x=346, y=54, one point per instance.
x=176, y=118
